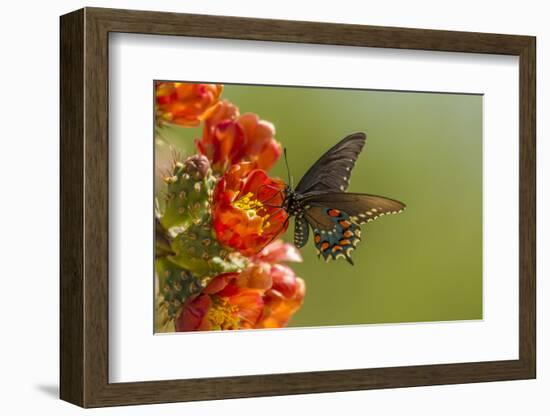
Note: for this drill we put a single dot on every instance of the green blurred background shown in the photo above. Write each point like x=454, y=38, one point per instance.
x=424, y=149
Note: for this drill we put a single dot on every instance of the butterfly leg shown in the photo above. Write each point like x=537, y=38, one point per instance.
x=278, y=192
x=273, y=206
x=276, y=235
x=275, y=212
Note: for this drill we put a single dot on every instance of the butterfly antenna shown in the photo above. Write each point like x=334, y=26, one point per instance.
x=290, y=179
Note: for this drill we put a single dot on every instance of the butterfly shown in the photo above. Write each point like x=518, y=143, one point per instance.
x=320, y=201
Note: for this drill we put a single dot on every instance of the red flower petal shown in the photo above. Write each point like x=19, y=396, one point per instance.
x=228, y=139
x=284, y=280
x=193, y=314
x=279, y=251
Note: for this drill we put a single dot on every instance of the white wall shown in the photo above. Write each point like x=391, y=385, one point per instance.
x=29, y=210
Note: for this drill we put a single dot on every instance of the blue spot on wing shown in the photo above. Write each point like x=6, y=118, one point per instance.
x=340, y=241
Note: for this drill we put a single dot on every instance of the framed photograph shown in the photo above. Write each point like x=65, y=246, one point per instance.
x=256, y=207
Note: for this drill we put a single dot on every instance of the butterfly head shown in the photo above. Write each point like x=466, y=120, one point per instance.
x=292, y=203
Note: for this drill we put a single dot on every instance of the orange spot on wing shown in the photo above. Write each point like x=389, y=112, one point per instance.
x=344, y=242
x=336, y=248
x=333, y=212
x=348, y=233
x=324, y=246
x=344, y=223
x=317, y=238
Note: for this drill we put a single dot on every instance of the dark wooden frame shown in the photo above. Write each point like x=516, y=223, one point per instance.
x=84, y=207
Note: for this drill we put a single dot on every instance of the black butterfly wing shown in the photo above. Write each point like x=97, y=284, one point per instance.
x=361, y=208
x=332, y=171
x=317, y=217
x=336, y=217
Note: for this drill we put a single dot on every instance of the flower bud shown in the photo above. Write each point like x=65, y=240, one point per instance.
x=197, y=166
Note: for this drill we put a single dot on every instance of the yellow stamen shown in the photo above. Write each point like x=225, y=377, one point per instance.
x=222, y=314
x=248, y=203
x=252, y=207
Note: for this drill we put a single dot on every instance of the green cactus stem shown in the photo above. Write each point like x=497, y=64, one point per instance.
x=163, y=322
x=163, y=241
x=190, y=186
x=175, y=286
x=198, y=251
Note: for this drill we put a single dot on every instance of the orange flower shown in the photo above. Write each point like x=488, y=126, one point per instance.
x=264, y=295
x=287, y=291
x=247, y=213
x=283, y=292
x=283, y=300
x=222, y=305
x=224, y=111
x=184, y=103
x=229, y=138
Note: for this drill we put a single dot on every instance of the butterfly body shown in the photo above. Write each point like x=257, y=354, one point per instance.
x=319, y=201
